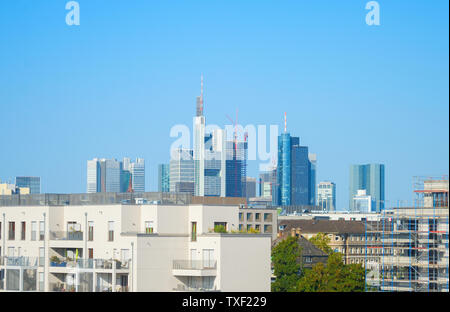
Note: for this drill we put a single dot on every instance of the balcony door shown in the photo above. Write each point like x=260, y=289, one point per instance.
x=208, y=258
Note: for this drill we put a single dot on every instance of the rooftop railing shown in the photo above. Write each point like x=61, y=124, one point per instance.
x=105, y=264
x=19, y=261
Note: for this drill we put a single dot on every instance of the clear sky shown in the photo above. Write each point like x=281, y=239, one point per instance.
x=115, y=85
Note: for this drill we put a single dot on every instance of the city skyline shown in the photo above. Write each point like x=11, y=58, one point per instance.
x=358, y=100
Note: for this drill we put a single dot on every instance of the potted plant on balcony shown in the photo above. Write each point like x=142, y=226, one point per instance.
x=54, y=261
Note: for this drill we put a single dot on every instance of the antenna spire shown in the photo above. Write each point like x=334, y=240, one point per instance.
x=285, y=122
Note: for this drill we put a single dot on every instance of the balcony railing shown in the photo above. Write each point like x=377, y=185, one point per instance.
x=183, y=287
x=90, y=263
x=19, y=261
x=194, y=264
x=63, y=235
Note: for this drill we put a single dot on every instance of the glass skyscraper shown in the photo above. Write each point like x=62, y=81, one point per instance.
x=368, y=177
x=110, y=175
x=293, y=173
x=34, y=183
x=164, y=178
x=181, y=170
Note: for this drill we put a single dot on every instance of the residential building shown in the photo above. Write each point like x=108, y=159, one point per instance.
x=414, y=242
x=263, y=220
x=369, y=177
x=164, y=178
x=346, y=237
x=326, y=196
x=33, y=183
x=99, y=242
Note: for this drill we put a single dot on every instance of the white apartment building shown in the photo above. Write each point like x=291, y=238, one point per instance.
x=130, y=247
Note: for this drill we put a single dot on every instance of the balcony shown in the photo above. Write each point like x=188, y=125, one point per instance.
x=69, y=236
x=194, y=268
x=19, y=261
x=89, y=264
x=183, y=287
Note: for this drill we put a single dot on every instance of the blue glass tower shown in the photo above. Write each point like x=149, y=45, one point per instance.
x=369, y=177
x=284, y=169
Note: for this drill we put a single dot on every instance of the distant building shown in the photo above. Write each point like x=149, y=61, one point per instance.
x=111, y=175
x=369, y=177
x=181, y=171
x=293, y=173
x=33, y=183
x=164, y=178
x=363, y=202
x=312, y=179
x=236, y=168
x=250, y=186
x=326, y=196
x=10, y=189
x=267, y=183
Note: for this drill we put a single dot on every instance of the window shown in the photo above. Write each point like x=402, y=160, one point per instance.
x=208, y=258
x=308, y=259
x=91, y=253
x=22, y=236
x=41, y=281
x=41, y=230
x=193, y=231
x=249, y=216
x=249, y=227
x=148, y=227
x=241, y=227
x=0, y=230
x=33, y=230
x=257, y=216
x=91, y=231
x=241, y=216
x=257, y=227
x=111, y=231
x=41, y=256
x=12, y=231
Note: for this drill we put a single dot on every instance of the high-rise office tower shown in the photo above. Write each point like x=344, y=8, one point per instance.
x=362, y=202
x=326, y=196
x=33, y=183
x=312, y=179
x=293, y=172
x=199, y=146
x=110, y=175
x=208, y=155
x=137, y=170
x=250, y=187
x=236, y=168
x=369, y=177
x=267, y=182
x=164, y=178
x=181, y=170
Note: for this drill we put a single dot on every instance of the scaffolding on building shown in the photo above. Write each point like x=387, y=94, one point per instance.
x=407, y=249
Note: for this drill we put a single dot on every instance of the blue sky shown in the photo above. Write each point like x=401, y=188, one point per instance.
x=115, y=85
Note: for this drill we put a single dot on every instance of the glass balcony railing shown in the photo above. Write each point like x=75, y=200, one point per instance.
x=19, y=261
x=63, y=235
x=103, y=264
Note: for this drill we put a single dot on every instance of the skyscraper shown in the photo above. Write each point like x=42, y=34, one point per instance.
x=250, y=187
x=164, y=178
x=267, y=183
x=137, y=170
x=293, y=172
x=326, y=196
x=110, y=175
x=369, y=177
x=208, y=155
x=181, y=170
x=33, y=183
x=236, y=168
x=312, y=179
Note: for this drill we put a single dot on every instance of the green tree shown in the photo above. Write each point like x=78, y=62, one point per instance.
x=286, y=266
x=322, y=241
x=335, y=277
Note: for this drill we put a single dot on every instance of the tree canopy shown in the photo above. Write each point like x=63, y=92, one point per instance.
x=286, y=266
